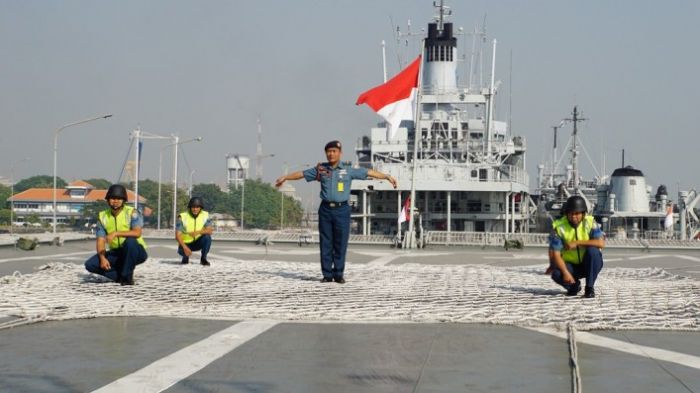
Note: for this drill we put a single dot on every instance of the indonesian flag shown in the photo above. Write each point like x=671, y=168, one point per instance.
x=405, y=211
x=394, y=100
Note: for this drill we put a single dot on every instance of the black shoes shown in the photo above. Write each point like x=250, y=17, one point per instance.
x=339, y=280
x=127, y=280
x=574, y=289
x=325, y=279
x=589, y=293
x=203, y=261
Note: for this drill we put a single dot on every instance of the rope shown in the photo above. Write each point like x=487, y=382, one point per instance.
x=573, y=360
x=649, y=298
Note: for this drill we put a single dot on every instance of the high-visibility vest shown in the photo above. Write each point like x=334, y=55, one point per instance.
x=191, y=223
x=120, y=223
x=568, y=233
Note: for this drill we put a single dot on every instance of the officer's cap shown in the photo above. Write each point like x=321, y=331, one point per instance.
x=333, y=144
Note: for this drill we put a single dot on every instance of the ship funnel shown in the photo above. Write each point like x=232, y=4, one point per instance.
x=440, y=70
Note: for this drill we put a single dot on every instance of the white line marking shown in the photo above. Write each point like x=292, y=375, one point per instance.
x=634, y=349
x=47, y=256
x=647, y=257
x=381, y=261
x=168, y=371
x=688, y=257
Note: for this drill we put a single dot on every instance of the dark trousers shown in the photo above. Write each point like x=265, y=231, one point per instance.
x=334, y=231
x=123, y=261
x=202, y=243
x=589, y=268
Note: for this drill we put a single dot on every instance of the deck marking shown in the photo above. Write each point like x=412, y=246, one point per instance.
x=168, y=371
x=688, y=257
x=47, y=256
x=647, y=257
x=385, y=260
x=622, y=346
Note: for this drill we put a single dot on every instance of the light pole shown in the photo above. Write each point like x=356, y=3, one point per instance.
x=12, y=193
x=55, y=157
x=137, y=136
x=243, y=178
x=175, y=144
x=191, y=174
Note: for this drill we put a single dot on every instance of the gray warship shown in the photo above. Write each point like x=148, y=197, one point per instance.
x=466, y=168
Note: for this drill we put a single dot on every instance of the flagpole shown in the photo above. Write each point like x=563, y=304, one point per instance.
x=410, y=238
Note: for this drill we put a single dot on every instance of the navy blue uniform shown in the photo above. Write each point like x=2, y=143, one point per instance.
x=334, y=214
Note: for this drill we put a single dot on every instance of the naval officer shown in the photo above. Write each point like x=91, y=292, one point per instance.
x=334, y=212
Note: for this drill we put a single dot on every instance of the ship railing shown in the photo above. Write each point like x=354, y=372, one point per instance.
x=300, y=237
x=436, y=238
x=485, y=239
x=456, y=172
x=516, y=240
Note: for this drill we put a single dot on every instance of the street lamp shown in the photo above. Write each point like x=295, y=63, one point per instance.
x=12, y=192
x=191, y=174
x=175, y=144
x=55, y=157
x=243, y=179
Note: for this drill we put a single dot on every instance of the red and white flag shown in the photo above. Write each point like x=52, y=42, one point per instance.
x=405, y=211
x=395, y=99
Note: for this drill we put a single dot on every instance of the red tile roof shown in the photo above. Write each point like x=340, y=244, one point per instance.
x=81, y=184
x=62, y=195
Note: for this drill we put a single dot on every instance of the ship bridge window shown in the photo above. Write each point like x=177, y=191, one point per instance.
x=633, y=182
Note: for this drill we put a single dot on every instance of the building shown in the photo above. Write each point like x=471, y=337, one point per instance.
x=70, y=201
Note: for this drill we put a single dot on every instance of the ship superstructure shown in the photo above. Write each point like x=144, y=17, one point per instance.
x=469, y=170
x=556, y=180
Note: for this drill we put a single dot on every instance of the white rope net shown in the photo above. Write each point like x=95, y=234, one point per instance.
x=648, y=298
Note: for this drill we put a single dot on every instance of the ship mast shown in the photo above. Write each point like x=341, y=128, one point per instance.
x=574, y=148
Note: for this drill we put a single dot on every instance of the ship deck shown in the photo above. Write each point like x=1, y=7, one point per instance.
x=328, y=337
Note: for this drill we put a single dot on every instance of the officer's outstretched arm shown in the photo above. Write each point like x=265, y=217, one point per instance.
x=379, y=175
x=292, y=176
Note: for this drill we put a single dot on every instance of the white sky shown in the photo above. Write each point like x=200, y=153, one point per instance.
x=210, y=68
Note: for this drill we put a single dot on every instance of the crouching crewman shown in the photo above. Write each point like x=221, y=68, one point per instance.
x=118, y=227
x=193, y=231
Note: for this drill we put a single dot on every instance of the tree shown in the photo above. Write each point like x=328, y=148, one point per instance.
x=99, y=184
x=5, y=216
x=5, y=195
x=263, y=205
x=40, y=181
x=215, y=200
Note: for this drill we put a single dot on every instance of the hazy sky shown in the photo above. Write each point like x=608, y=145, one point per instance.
x=211, y=68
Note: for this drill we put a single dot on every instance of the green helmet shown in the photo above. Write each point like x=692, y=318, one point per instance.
x=116, y=191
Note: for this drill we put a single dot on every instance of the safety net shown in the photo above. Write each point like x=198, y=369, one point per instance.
x=644, y=298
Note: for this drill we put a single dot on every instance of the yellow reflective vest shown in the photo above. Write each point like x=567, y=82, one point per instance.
x=120, y=223
x=191, y=224
x=567, y=234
